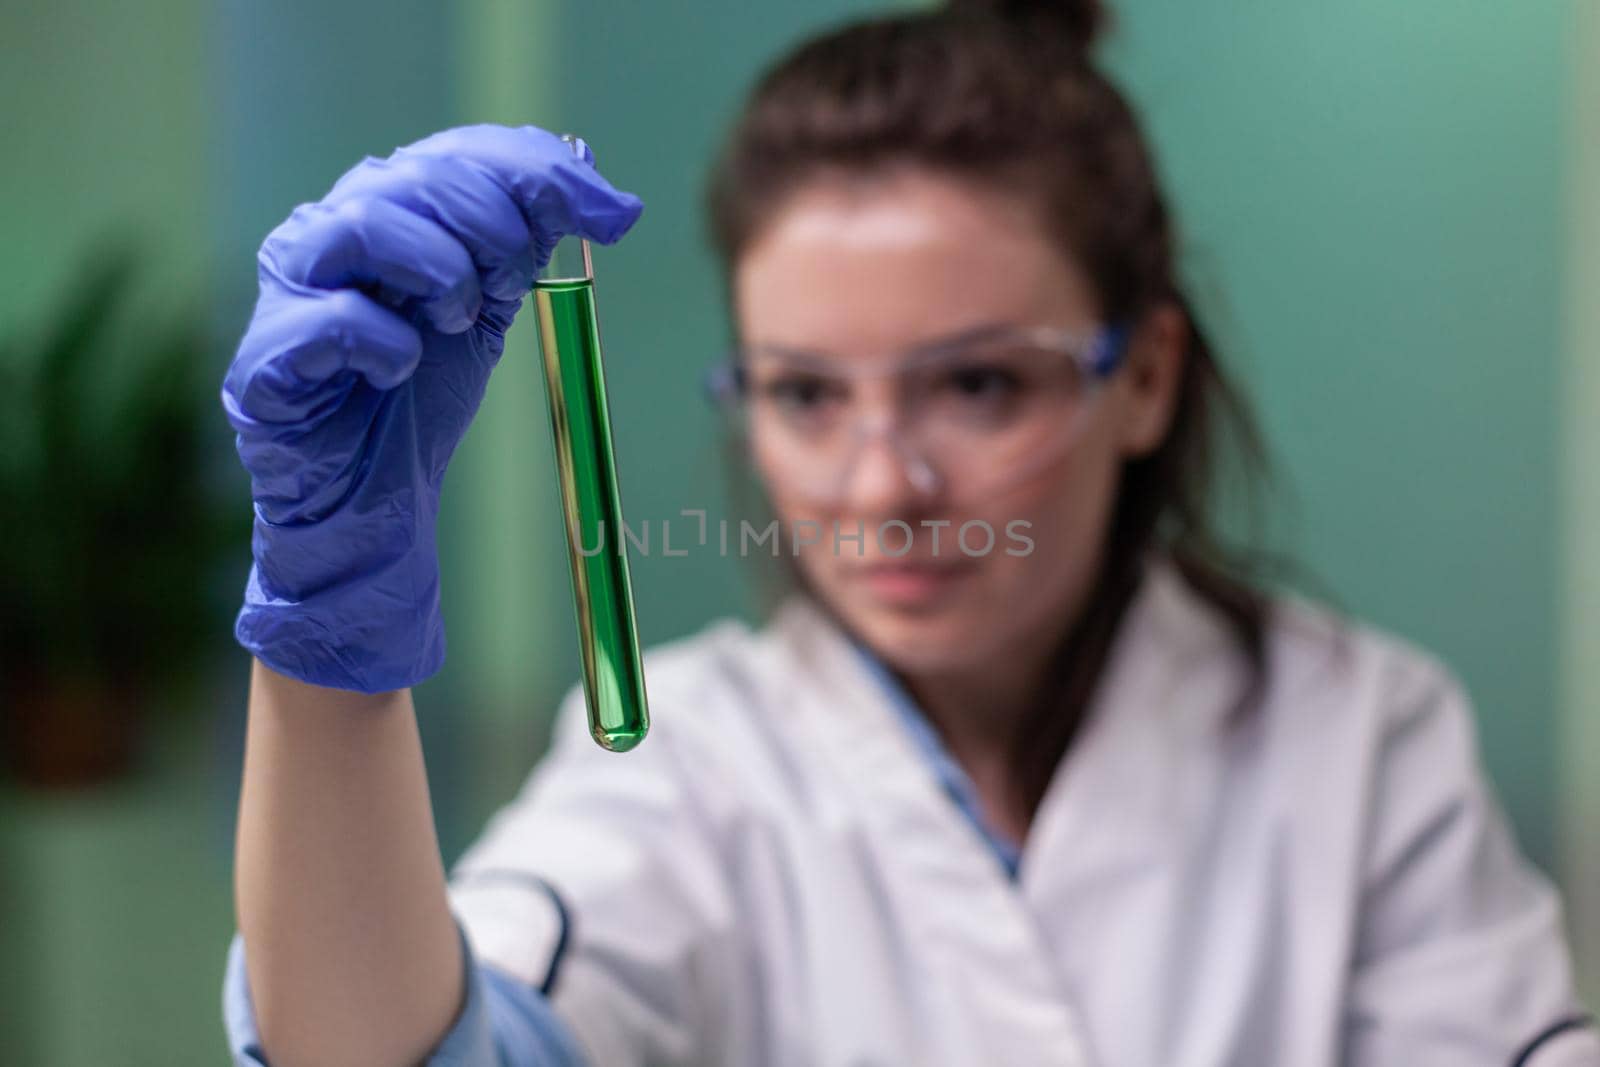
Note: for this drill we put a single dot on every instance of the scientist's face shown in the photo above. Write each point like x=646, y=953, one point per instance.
x=856, y=270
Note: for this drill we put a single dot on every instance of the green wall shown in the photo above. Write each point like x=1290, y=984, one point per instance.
x=104, y=129
x=1580, y=559
x=104, y=941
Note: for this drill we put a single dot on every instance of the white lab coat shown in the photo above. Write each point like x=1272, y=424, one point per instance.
x=775, y=878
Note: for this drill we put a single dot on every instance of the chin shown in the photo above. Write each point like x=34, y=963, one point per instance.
x=919, y=637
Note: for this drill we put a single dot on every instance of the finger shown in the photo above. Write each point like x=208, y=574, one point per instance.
x=457, y=195
x=375, y=243
x=291, y=361
x=558, y=192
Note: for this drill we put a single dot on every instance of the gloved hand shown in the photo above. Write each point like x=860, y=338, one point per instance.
x=382, y=310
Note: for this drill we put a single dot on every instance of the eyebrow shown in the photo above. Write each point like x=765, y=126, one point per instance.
x=954, y=340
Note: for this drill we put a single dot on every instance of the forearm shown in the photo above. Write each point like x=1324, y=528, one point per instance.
x=353, y=952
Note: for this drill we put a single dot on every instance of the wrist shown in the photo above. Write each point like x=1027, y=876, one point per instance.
x=352, y=607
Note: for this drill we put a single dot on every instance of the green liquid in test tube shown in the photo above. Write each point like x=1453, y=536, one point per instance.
x=569, y=337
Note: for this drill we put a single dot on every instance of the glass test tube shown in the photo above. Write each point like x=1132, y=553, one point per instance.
x=569, y=338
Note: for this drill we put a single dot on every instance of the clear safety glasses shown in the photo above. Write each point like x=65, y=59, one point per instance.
x=966, y=417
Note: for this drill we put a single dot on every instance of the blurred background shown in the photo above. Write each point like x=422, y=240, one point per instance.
x=1391, y=218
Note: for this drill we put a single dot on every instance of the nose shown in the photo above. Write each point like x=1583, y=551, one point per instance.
x=886, y=473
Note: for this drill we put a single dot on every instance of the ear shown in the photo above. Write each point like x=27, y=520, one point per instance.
x=1150, y=378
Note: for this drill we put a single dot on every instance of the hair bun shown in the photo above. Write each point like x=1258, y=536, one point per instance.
x=1079, y=22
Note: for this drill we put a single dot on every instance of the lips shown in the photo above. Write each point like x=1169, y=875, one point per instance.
x=912, y=582
x=915, y=566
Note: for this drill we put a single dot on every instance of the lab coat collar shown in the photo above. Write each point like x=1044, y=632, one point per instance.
x=1115, y=802
x=1166, y=622
x=952, y=777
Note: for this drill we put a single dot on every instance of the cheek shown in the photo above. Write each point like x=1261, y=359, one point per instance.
x=1065, y=514
x=798, y=520
x=1077, y=503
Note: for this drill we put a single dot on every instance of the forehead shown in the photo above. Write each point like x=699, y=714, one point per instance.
x=889, y=261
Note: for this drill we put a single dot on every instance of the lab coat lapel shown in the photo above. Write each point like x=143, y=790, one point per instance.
x=1114, y=807
x=1009, y=1005
x=1103, y=868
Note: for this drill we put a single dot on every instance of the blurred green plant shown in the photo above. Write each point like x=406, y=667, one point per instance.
x=111, y=532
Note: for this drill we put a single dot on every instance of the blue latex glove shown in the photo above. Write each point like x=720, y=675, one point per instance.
x=382, y=310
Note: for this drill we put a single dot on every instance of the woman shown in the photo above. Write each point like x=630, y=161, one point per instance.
x=1071, y=793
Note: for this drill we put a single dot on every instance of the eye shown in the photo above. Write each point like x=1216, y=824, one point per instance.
x=798, y=393
x=983, y=382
